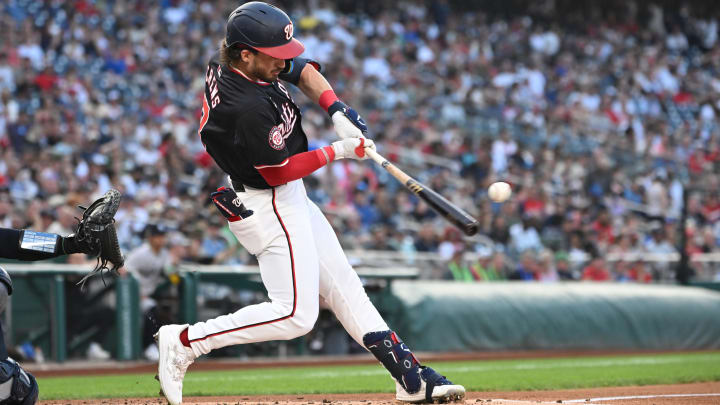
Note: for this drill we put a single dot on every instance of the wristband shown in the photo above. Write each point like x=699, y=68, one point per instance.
x=327, y=98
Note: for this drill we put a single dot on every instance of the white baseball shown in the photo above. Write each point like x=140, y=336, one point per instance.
x=499, y=191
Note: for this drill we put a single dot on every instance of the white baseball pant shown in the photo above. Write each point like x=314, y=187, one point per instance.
x=301, y=262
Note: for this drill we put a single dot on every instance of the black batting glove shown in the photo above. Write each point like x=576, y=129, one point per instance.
x=229, y=204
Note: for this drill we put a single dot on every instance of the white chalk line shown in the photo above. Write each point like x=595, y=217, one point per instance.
x=499, y=401
x=577, y=401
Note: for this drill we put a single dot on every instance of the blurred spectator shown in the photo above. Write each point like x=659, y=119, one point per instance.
x=427, y=239
x=499, y=231
x=636, y=271
x=547, y=271
x=459, y=270
x=89, y=319
x=500, y=266
x=488, y=268
x=562, y=267
x=526, y=269
x=596, y=270
x=151, y=264
x=524, y=235
x=214, y=245
x=502, y=149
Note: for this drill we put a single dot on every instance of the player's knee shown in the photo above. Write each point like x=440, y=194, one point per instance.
x=23, y=387
x=303, y=321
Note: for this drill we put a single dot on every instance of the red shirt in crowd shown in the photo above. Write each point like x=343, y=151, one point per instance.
x=639, y=274
x=604, y=231
x=594, y=272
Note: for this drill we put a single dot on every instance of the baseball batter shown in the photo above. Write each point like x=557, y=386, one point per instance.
x=252, y=129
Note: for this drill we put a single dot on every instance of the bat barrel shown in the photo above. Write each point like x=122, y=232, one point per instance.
x=455, y=215
x=461, y=219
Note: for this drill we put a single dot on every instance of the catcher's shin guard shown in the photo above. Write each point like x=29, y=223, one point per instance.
x=396, y=357
x=6, y=280
x=23, y=389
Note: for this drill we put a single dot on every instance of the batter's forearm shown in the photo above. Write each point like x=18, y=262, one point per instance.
x=297, y=166
x=312, y=83
x=347, y=122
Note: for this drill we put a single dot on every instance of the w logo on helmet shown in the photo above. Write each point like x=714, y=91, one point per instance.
x=263, y=26
x=288, y=31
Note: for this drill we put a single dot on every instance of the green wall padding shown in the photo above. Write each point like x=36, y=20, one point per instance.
x=452, y=316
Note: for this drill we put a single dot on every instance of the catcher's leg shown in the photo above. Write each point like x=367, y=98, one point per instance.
x=22, y=389
x=19, y=386
x=342, y=290
x=5, y=291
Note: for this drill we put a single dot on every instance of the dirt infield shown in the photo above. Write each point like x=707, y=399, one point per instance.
x=696, y=394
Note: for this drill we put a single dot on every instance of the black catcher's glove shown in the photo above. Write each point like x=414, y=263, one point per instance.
x=95, y=234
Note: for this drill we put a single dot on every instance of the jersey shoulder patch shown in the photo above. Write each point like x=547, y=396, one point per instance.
x=276, y=139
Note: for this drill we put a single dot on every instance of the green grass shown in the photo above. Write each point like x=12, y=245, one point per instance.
x=495, y=375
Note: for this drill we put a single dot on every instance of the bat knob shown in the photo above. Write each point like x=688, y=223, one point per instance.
x=471, y=228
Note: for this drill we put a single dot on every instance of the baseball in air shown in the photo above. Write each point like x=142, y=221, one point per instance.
x=499, y=191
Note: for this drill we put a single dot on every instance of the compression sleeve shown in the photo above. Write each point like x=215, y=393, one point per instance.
x=296, y=166
x=295, y=66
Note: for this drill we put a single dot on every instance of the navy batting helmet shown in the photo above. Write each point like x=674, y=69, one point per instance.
x=265, y=28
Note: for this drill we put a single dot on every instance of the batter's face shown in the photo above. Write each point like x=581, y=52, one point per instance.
x=263, y=67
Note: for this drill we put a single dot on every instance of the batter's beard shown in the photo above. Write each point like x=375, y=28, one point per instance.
x=266, y=77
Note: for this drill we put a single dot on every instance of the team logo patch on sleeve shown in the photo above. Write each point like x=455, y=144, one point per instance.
x=277, y=141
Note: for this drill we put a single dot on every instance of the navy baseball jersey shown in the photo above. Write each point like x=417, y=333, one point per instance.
x=248, y=124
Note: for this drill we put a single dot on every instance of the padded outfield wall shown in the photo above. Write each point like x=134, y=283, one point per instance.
x=441, y=316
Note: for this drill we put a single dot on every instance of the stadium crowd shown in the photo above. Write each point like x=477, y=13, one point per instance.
x=601, y=116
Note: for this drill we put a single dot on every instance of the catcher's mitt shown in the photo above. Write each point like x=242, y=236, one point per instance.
x=96, y=234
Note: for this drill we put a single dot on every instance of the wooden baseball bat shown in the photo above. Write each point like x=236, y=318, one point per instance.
x=455, y=215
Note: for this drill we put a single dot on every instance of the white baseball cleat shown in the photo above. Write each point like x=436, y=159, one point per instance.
x=173, y=363
x=433, y=388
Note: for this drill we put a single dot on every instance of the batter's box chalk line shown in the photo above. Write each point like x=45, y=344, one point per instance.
x=595, y=400
x=518, y=402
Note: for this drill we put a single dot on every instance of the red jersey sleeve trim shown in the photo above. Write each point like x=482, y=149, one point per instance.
x=297, y=166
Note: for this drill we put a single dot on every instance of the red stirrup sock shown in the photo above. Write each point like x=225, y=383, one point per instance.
x=184, y=338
